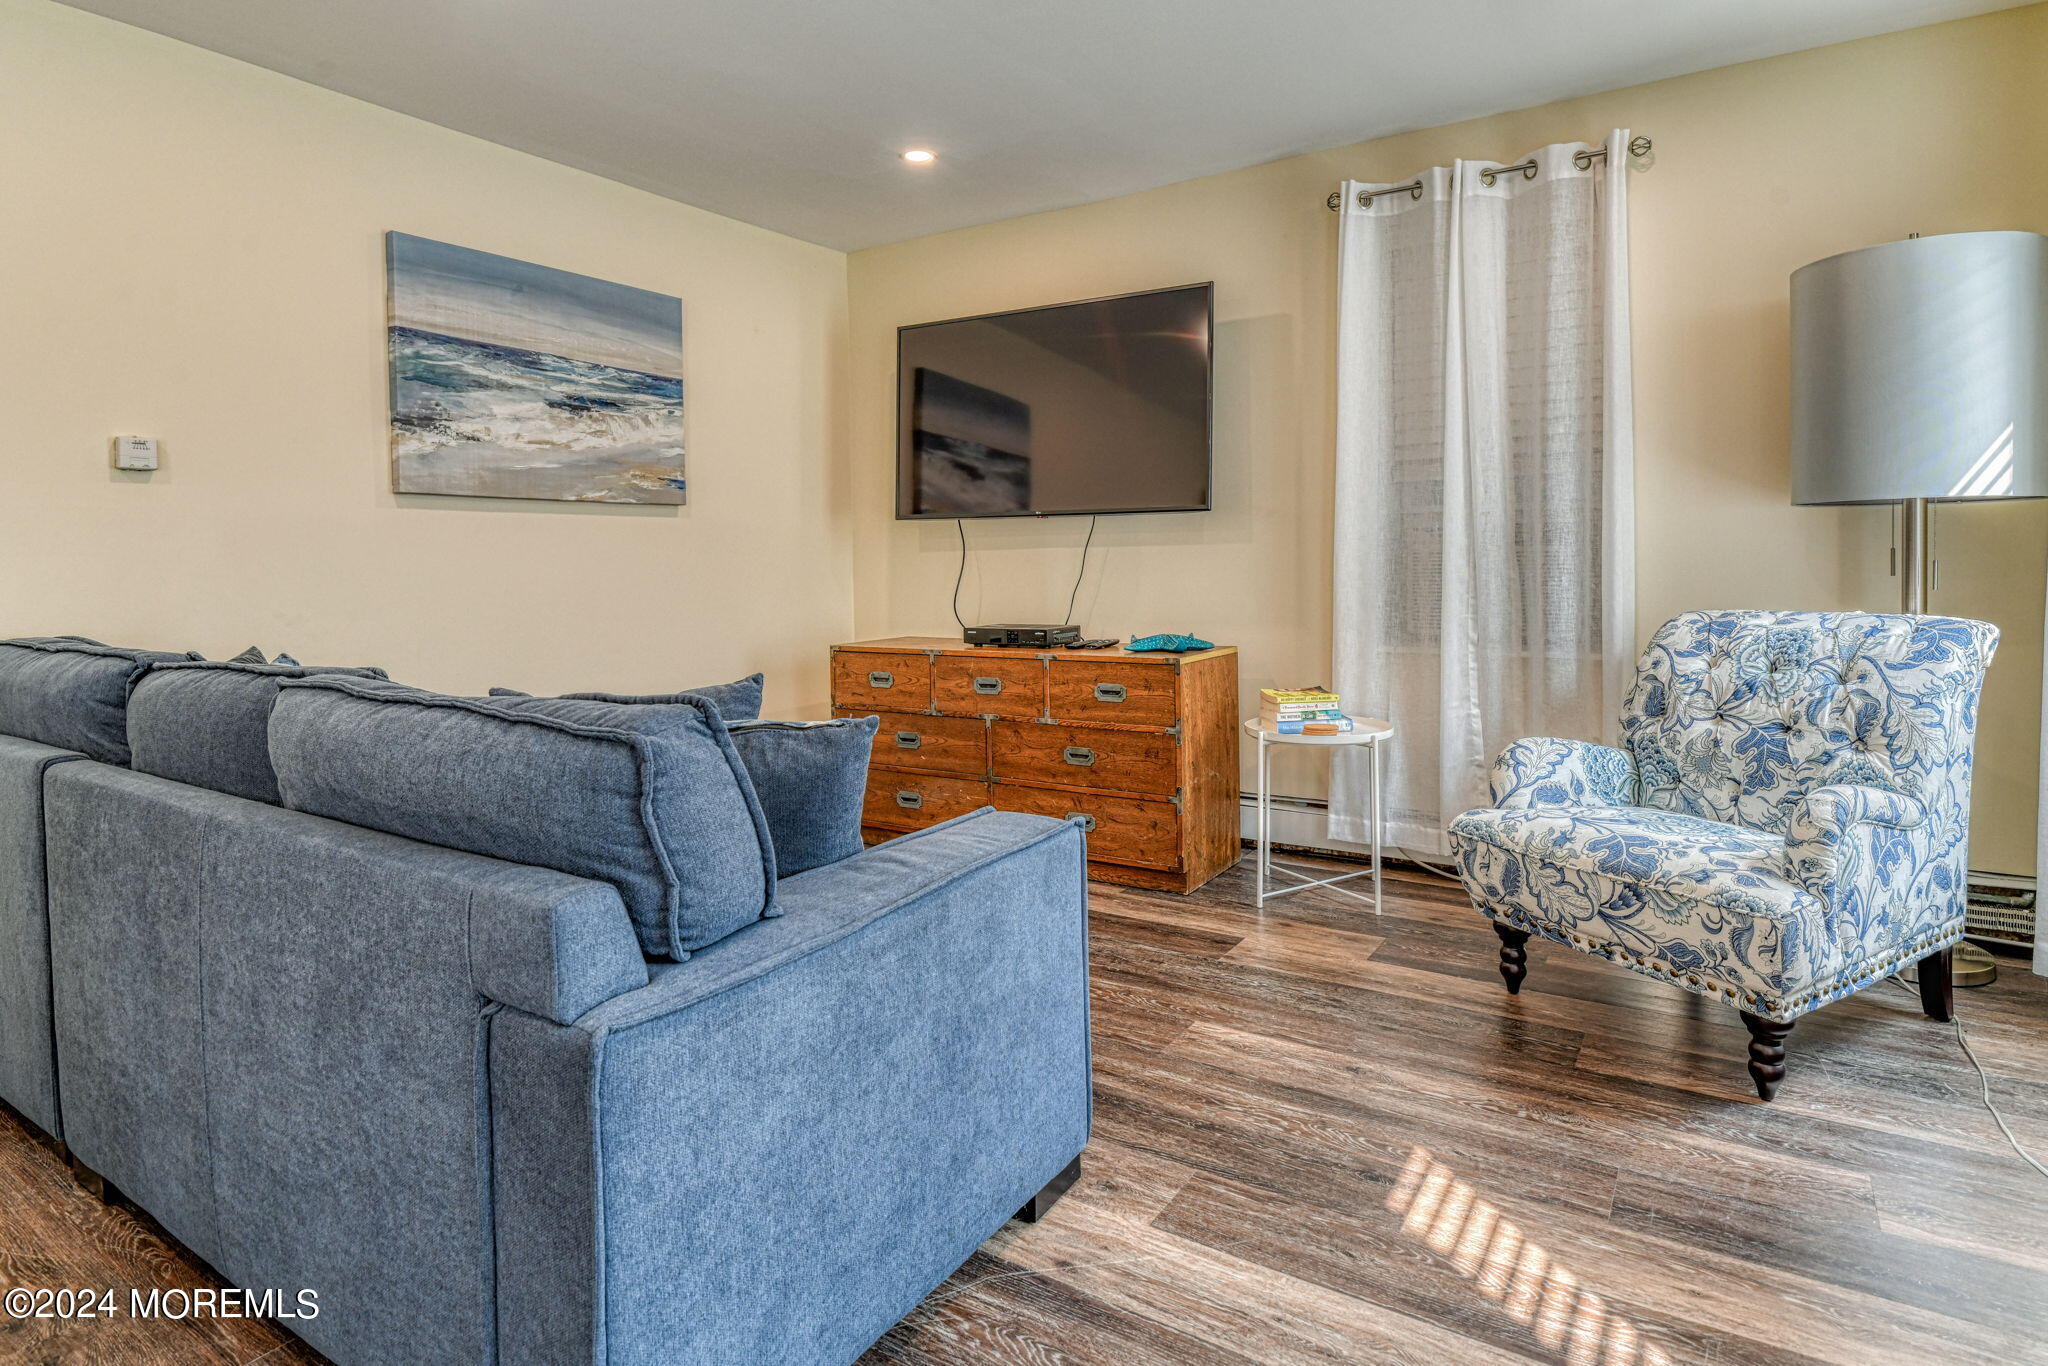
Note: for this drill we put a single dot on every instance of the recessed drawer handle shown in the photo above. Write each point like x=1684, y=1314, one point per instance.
x=988, y=687
x=1087, y=821
x=1080, y=758
x=908, y=739
x=910, y=801
x=1109, y=692
x=881, y=679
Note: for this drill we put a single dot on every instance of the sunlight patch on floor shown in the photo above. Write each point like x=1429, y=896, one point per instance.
x=1531, y=1287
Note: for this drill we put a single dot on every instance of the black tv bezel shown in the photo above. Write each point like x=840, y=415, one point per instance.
x=1208, y=288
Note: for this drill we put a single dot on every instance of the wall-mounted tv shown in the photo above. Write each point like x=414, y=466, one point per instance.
x=1093, y=407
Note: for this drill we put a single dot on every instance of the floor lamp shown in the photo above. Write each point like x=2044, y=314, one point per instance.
x=1920, y=375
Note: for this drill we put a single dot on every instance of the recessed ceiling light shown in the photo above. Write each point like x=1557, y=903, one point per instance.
x=919, y=156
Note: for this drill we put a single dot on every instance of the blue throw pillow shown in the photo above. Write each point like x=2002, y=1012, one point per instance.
x=737, y=701
x=71, y=693
x=652, y=799
x=208, y=724
x=811, y=777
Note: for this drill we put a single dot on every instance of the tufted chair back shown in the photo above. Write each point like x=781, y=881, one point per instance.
x=1736, y=716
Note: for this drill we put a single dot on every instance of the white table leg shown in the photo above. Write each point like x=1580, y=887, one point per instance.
x=1377, y=905
x=1265, y=822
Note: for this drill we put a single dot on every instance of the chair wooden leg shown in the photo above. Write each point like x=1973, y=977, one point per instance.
x=1766, y=1052
x=1514, y=959
x=1937, y=984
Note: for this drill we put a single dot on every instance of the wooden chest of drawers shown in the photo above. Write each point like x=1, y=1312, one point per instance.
x=1143, y=746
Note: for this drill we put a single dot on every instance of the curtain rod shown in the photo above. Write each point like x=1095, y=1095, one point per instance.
x=1637, y=147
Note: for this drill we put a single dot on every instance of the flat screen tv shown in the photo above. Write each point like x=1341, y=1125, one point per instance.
x=1093, y=407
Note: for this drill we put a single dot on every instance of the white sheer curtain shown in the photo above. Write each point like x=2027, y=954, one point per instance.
x=1485, y=531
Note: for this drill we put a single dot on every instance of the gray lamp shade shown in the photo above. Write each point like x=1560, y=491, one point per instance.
x=1920, y=370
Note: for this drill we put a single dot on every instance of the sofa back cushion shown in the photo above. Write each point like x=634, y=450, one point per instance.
x=71, y=693
x=208, y=724
x=652, y=799
x=736, y=701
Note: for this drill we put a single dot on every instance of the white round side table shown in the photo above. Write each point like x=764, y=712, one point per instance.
x=1364, y=731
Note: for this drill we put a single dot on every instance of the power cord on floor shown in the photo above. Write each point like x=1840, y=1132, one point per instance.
x=1983, y=1077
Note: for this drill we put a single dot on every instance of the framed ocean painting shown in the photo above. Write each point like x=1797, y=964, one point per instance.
x=511, y=380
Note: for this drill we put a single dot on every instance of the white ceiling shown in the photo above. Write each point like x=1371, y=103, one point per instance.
x=791, y=113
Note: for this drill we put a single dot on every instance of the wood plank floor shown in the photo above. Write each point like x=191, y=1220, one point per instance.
x=1325, y=1136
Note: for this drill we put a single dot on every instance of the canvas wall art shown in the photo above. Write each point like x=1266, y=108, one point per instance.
x=511, y=380
x=973, y=447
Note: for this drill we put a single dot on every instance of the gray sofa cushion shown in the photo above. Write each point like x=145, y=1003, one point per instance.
x=254, y=655
x=71, y=693
x=208, y=724
x=736, y=701
x=652, y=799
x=811, y=777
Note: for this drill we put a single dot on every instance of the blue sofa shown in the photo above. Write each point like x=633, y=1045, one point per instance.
x=459, y=1098
x=61, y=699
x=28, y=1050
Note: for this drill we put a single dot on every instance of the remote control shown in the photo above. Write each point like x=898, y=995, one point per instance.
x=1096, y=644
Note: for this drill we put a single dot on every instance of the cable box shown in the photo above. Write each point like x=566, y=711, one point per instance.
x=1023, y=637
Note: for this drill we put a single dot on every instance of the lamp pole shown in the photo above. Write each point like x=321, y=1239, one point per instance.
x=1916, y=565
x=1969, y=966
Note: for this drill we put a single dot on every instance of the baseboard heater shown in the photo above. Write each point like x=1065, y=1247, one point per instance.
x=2001, y=910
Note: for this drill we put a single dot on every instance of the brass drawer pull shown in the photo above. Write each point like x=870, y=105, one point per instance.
x=1079, y=757
x=1109, y=692
x=910, y=801
x=881, y=679
x=988, y=687
x=1087, y=821
x=908, y=739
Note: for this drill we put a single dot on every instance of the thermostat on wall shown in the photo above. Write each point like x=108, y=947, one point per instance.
x=134, y=452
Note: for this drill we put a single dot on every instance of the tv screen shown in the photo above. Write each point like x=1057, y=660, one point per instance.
x=1091, y=407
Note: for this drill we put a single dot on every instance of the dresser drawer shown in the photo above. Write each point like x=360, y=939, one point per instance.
x=993, y=685
x=1118, y=692
x=932, y=744
x=1085, y=756
x=873, y=681
x=904, y=801
x=1137, y=830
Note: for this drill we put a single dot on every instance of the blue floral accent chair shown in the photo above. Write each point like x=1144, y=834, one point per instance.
x=1786, y=823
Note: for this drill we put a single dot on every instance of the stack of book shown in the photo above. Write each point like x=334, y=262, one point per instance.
x=1302, y=711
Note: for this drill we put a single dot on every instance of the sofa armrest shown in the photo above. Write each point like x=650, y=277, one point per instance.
x=550, y=944
x=785, y=1142
x=1551, y=772
x=827, y=904
x=1843, y=834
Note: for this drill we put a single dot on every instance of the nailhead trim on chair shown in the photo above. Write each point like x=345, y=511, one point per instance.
x=1770, y=1007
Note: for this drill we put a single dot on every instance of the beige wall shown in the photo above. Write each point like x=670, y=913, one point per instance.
x=192, y=249
x=1758, y=169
